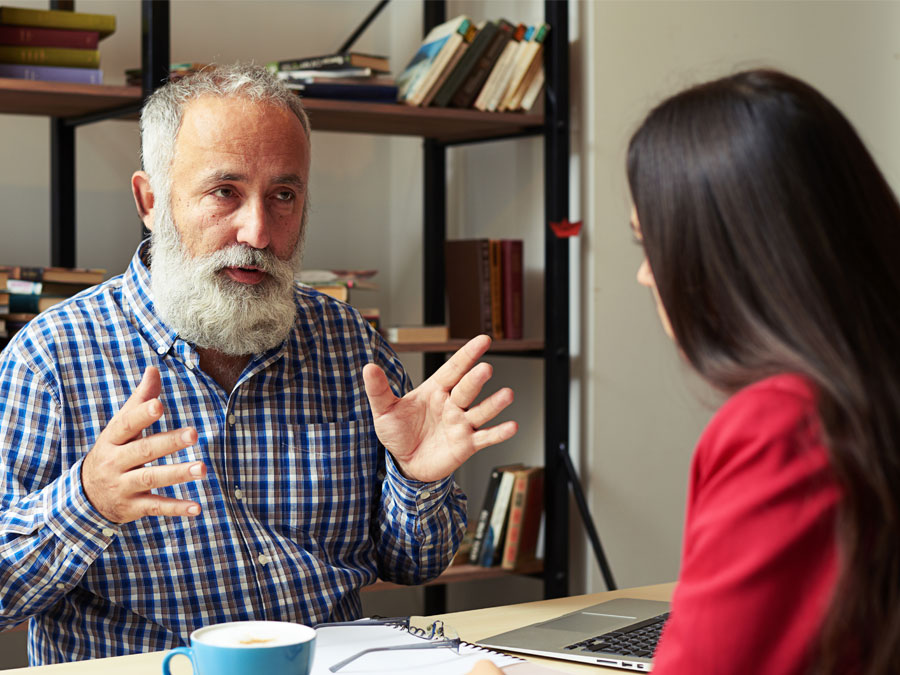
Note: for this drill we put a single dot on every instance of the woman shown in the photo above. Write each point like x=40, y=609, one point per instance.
x=772, y=246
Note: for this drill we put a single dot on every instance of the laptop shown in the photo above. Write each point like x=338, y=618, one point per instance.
x=619, y=633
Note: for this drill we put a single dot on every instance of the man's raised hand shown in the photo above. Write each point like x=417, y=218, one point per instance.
x=113, y=474
x=432, y=430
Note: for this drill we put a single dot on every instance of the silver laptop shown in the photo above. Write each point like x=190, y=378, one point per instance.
x=619, y=633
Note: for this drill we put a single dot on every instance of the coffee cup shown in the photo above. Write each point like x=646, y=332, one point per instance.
x=249, y=647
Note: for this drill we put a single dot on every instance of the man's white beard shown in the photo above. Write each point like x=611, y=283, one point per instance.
x=209, y=309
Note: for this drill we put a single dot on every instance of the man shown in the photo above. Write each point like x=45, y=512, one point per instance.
x=200, y=440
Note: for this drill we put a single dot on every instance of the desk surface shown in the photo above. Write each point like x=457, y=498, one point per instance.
x=472, y=625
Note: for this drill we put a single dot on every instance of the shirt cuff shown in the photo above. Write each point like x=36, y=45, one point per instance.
x=414, y=496
x=72, y=518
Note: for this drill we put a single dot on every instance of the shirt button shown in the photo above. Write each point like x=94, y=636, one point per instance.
x=264, y=559
x=108, y=532
x=160, y=350
x=424, y=494
x=60, y=585
x=238, y=493
x=231, y=419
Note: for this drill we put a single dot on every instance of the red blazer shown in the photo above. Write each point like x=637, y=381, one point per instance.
x=759, y=560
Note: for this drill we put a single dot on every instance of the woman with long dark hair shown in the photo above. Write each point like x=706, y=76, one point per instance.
x=772, y=246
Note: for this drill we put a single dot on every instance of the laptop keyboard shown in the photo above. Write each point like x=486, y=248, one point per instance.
x=638, y=639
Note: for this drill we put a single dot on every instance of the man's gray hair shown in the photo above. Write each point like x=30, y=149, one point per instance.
x=163, y=113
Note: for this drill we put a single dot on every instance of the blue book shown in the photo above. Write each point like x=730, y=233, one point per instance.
x=52, y=73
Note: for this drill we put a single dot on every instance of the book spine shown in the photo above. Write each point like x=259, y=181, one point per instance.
x=104, y=24
x=512, y=283
x=471, y=86
x=484, y=516
x=466, y=63
x=514, y=521
x=50, y=56
x=327, y=62
x=52, y=73
x=533, y=91
x=49, y=37
x=424, y=84
x=524, y=518
x=493, y=539
x=496, y=275
x=499, y=71
x=468, y=286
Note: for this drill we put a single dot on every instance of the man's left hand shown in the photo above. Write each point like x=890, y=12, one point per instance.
x=432, y=430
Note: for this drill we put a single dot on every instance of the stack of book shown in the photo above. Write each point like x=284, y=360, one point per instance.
x=495, y=66
x=27, y=291
x=49, y=44
x=347, y=75
x=134, y=77
x=484, y=280
x=509, y=523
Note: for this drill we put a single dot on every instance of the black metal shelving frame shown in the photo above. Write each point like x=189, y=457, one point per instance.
x=155, y=23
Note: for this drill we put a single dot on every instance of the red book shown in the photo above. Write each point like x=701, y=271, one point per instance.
x=511, y=285
x=48, y=37
x=524, y=518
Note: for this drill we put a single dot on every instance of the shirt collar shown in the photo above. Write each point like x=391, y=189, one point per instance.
x=138, y=296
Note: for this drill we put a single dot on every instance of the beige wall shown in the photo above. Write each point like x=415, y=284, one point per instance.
x=642, y=411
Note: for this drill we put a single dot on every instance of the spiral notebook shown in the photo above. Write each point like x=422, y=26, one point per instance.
x=335, y=643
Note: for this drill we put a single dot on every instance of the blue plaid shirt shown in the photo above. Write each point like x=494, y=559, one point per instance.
x=301, y=504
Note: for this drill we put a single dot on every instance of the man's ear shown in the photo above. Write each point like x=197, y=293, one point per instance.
x=143, y=197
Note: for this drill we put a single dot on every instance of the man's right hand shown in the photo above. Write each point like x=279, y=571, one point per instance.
x=113, y=474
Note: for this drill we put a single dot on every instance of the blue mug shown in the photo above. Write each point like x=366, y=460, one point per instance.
x=249, y=648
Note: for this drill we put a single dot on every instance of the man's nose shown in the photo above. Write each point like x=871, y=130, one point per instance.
x=253, y=224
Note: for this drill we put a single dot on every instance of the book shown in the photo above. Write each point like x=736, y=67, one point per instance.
x=502, y=84
x=484, y=514
x=49, y=37
x=336, y=291
x=468, y=287
x=376, y=62
x=52, y=73
x=4, y=303
x=402, y=334
x=50, y=56
x=451, y=64
x=492, y=545
x=45, y=287
x=501, y=69
x=511, y=268
x=515, y=102
x=23, y=303
x=324, y=74
x=343, y=90
x=468, y=91
x=496, y=291
x=432, y=54
x=525, y=509
x=76, y=275
x=104, y=24
x=455, y=79
x=534, y=90
x=528, y=53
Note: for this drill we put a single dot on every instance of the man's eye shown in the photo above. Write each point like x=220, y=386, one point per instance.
x=284, y=195
x=224, y=192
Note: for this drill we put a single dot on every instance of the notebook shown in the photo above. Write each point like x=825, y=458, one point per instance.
x=334, y=643
x=619, y=633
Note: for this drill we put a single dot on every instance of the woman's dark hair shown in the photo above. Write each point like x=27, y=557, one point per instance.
x=774, y=241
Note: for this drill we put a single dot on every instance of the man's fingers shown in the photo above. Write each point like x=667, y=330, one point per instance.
x=486, y=437
x=381, y=398
x=148, y=478
x=468, y=388
x=449, y=374
x=148, y=388
x=150, y=448
x=127, y=425
x=489, y=408
x=154, y=505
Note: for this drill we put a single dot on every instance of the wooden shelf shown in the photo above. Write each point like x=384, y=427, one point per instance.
x=64, y=99
x=459, y=573
x=497, y=346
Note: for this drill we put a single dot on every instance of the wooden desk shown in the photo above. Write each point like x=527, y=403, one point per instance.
x=472, y=625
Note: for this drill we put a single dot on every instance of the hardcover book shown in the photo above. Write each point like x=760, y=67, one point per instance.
x=50, y=56
x=500, y=71
x=437, y=47
x=466, y=63
x=492, y=546
x=104, y=24
x=511, y=269
x=52, y=73
x=335, y=61
x=484, y=514
x=468, y=91
x=526, y=507
x=49, y=37
x=468, y=284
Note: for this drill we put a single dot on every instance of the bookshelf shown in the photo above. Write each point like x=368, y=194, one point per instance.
x=71, y=105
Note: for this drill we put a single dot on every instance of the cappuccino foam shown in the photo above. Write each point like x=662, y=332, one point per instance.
x=254, y=634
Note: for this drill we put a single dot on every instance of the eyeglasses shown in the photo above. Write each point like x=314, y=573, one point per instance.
x=435, y=636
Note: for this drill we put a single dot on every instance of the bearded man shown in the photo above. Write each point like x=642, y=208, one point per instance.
x=201, y=440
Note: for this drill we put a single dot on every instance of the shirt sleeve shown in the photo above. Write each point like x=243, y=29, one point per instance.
x=419, y=526
x=49, y=532
x=759, y=561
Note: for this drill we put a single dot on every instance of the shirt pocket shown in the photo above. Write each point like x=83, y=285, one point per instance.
x=328, y=473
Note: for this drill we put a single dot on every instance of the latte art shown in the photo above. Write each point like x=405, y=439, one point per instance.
x=254, y=634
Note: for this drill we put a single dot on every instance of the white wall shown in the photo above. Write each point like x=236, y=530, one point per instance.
x=642, y=411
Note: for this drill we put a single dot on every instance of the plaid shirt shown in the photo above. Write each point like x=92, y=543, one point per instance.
x=301, y=505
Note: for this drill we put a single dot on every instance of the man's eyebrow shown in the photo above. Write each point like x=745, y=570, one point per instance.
x=290, y=179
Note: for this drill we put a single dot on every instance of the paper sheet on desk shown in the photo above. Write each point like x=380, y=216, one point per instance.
x=335, y=643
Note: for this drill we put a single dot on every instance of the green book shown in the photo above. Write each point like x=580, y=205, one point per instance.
x=105, y=24
x=50, y=56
